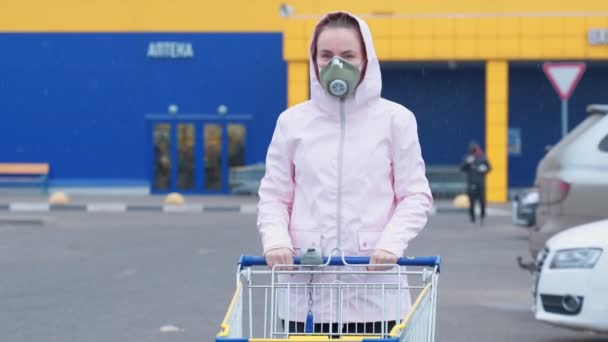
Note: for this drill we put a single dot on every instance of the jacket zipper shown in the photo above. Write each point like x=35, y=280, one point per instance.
x=340, y=165
x=339, y=204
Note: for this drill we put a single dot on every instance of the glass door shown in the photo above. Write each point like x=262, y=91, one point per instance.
x=174, y=157
x=213, y=156
x=224, y=146
x=197, y=155
x=237, y=139
x=186, y=157
x=163, y=161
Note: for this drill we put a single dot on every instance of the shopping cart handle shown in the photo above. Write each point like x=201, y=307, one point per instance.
x=249, y=260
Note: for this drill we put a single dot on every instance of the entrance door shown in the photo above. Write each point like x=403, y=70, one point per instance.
x=162, y=165
x=213, y=157
x=186, y=168
x=196, y=156
x=174, y=166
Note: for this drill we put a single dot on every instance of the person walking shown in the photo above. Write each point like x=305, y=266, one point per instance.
x=476, y=167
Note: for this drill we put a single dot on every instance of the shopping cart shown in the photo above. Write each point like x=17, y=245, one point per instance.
x=312, y=301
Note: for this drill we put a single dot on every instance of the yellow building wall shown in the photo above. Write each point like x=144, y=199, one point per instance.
x=443, y=31
x=492, y=31
x=297, y=83
x=497, y=125
x=140, y=15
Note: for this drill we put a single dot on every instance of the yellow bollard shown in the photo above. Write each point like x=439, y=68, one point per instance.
x=59, y=198
x=461, y=201
x=175, y=198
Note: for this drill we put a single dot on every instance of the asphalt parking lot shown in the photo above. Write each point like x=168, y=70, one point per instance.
x=158, y=276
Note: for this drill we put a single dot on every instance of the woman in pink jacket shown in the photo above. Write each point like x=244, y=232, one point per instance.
x=344, y=170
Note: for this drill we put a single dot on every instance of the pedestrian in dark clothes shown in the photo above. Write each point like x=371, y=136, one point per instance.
x=476, y=166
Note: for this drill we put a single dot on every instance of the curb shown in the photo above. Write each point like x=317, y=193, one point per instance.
x=182, y=209
x=25, y=207
x=30, y=207
x=22, y=221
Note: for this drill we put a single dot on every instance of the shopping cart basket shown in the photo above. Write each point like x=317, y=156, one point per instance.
x=274, y=300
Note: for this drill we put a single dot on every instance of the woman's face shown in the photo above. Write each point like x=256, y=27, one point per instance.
x=339, y=42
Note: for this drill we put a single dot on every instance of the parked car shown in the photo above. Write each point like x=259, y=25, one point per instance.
x=572, y=180
x=524, y=206
x=445, y=181
x=571, y=279
x=245, y=180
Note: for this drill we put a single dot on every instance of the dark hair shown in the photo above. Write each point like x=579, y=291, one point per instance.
x=338, y=20
x=475, y=148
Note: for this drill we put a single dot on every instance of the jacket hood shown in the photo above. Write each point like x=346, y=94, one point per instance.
x=369, y=88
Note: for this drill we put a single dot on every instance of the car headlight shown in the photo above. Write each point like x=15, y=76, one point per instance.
x=530, y=198
x=576, y=258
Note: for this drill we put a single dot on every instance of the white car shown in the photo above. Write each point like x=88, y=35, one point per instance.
x=524, y=208
x=571, y=279
x=572, y=180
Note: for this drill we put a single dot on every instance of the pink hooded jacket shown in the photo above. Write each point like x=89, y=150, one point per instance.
x=356, y=182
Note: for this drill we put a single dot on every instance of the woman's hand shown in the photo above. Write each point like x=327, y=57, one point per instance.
x=279, y=256
x=380, y=256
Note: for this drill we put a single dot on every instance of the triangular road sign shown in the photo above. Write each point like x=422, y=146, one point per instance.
x=564, y=77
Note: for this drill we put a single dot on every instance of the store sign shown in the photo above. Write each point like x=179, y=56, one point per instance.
x=172, y=50
x=514, y=141
x=598, y=37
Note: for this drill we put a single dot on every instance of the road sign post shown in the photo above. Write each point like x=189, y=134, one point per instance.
x=564, y=77
x=564, y=118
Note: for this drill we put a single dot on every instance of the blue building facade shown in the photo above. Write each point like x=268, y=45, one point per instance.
x=83, y=102
x=98, y=107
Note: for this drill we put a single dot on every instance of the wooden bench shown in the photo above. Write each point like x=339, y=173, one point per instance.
x=25, y=173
